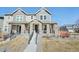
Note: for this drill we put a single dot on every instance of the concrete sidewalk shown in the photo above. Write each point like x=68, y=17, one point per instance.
x=32, y=47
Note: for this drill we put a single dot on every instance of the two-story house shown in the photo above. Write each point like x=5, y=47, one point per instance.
x=21, y=22
x=1, y=23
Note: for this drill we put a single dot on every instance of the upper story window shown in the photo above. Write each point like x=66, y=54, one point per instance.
x=44, y=17
x=31, y=17
x=19, y=18
x=41, y=17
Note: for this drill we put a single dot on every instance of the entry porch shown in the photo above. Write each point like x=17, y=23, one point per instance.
x=37, y=26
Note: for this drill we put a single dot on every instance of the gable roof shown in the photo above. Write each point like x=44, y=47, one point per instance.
x=15, y=12
x=18, y=10
x=45, y=9
x=35, y=20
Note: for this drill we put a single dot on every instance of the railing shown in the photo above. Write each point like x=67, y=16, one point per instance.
x=31, y=37
x=36, y=37
x=5, y=37
x=10, y=36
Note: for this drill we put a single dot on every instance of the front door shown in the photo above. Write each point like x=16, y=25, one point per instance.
x=18, y=29
x=36, y=29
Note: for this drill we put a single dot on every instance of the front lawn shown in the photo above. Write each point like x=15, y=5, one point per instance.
x=60, y=45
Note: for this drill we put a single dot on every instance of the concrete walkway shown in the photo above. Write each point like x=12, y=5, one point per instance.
x=32, y=47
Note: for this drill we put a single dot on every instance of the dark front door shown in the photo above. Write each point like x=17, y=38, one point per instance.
x=36, y=28
x=18, y=29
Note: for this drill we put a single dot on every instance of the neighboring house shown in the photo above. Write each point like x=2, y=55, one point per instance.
x=21, y=22
x=63, y=28
x=72, y=27
x=1, y=23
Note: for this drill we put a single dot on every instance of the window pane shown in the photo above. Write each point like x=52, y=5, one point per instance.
x=45, y=17
x=18, y=18
x=41, y=17
x=31, y=17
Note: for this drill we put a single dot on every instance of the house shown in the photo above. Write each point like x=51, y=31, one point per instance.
x=22, y=22
x=1, y=23
x=72, y=27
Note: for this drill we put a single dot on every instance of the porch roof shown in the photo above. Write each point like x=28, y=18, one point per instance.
x=26, y=22
x=48, y=22
x=18, y=22
x=44, y=21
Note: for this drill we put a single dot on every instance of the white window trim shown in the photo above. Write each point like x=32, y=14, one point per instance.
x=19, y=19
x=45, y=17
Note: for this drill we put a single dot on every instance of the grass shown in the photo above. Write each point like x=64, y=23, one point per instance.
x=16, y=45
x=1, y=36
x=51, y=45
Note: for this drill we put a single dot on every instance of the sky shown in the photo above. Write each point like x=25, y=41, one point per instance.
x=62, y=15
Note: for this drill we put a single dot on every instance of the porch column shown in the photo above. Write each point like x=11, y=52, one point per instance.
x=56, y=28
x=31, y=28
x=10, y=28
x=22, y=28
x=40, y=29
x=48, y=29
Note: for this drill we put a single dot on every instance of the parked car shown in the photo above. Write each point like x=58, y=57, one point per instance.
x=63, y=34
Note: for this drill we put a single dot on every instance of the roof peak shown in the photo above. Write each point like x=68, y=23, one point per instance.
x=44, y=8
x=18, y=8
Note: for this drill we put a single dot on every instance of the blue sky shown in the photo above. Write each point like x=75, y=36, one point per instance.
x=62, y=15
